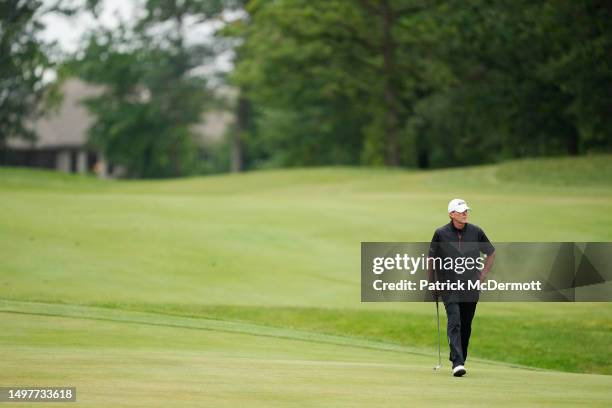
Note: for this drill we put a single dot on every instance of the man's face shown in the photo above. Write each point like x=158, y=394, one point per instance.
x=460, y=217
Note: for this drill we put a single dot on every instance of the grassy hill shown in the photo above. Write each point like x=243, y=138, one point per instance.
x=276, y=254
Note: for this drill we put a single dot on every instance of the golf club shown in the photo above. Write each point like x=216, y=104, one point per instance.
x=437, y=367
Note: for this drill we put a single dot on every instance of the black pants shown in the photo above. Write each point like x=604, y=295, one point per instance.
x=459, y=329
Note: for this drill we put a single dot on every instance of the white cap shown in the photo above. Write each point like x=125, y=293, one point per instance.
x=458, y=205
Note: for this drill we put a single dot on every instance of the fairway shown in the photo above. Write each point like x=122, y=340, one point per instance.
x=244, y=290
x=126, y=359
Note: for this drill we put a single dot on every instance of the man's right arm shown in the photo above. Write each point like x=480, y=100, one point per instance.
x=433, y=253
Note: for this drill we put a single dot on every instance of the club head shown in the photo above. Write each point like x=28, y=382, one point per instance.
x=436, y=368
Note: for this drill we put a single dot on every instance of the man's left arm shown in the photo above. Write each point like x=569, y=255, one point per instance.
x=487, y=248
x=487, y=266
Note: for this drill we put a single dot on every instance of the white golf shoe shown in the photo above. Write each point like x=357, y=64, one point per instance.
x=459, y=371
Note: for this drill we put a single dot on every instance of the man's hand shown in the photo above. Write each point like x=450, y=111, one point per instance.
x=435, y=295
x=487, y=267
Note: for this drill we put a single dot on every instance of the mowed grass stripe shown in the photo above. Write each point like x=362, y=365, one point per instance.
x=123, y=365
x=573, y=337
x=159, y=319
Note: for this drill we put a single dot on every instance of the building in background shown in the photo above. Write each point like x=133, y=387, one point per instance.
x=61, y=142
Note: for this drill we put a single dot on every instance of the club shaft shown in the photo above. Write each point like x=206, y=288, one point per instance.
x=438, y=318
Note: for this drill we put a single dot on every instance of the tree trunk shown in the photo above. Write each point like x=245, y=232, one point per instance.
x=243, y=121
x=572, y=142
x=236, y=153
x=390, y=97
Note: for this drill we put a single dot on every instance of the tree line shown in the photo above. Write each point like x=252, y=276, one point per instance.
x=354, y=82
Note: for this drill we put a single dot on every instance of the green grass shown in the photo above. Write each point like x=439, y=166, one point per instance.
x=592, y=171
x=119, y=358
x=576, y=340
x=279, y=250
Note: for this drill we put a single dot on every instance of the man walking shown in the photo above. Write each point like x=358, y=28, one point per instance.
x=459, y=241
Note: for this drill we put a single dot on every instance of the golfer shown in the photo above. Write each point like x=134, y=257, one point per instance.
x=459, y=239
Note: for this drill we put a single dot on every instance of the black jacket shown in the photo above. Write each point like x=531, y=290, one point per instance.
x=449, y=242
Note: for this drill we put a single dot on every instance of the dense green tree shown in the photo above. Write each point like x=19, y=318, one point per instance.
x=578, y=36
x=376, y=82
x=144, y=115
x=328, y=76
x=24, y=60
x=530, y=78
x=153, y=93
x=282, y=69
x=425, y=83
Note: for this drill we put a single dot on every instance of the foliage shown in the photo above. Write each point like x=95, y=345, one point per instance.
x=153, y=95
x=352, y=82
x=22, y=66
x=403, y=82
